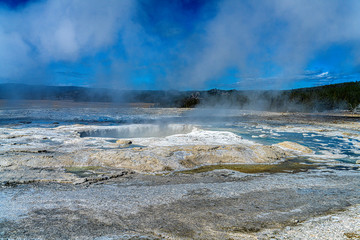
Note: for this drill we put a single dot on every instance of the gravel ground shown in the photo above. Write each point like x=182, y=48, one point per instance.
x=340, y=225
x=221, y=204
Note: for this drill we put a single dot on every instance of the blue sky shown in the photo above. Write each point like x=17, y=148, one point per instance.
x=180, y=44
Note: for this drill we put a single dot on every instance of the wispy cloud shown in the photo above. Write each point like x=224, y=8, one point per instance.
x=59, y=30
x=254, y=36
x=178, y=44
x=305, y=79
x=73, y=74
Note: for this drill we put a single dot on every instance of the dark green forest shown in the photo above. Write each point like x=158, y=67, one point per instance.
x=343, y=96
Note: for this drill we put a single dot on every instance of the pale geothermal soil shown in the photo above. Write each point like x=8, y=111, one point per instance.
x=27, y=148
x=178, y=174
x=221, y=204
x=340, y=225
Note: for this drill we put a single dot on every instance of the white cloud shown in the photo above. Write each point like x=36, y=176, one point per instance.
x=60, y=30
x=323, y=75
x=254, y=36
x=251, y=36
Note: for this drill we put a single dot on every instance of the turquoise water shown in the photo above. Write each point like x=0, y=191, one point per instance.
x=345, y=148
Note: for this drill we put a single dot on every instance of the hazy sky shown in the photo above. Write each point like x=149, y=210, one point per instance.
x=180, y=44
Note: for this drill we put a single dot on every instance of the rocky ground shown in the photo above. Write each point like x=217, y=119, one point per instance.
x=25, y=149
x=221, y=204
x=80, y=181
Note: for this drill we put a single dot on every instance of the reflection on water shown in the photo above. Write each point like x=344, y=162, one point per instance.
x=289, y=166
x=292, y=165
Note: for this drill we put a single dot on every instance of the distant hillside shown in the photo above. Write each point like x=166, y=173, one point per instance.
x=82, y=94
x=343, y=96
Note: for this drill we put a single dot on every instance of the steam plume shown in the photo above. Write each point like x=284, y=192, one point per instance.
x=151, y=44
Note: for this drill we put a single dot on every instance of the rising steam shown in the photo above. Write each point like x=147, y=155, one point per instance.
x=260, y=42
